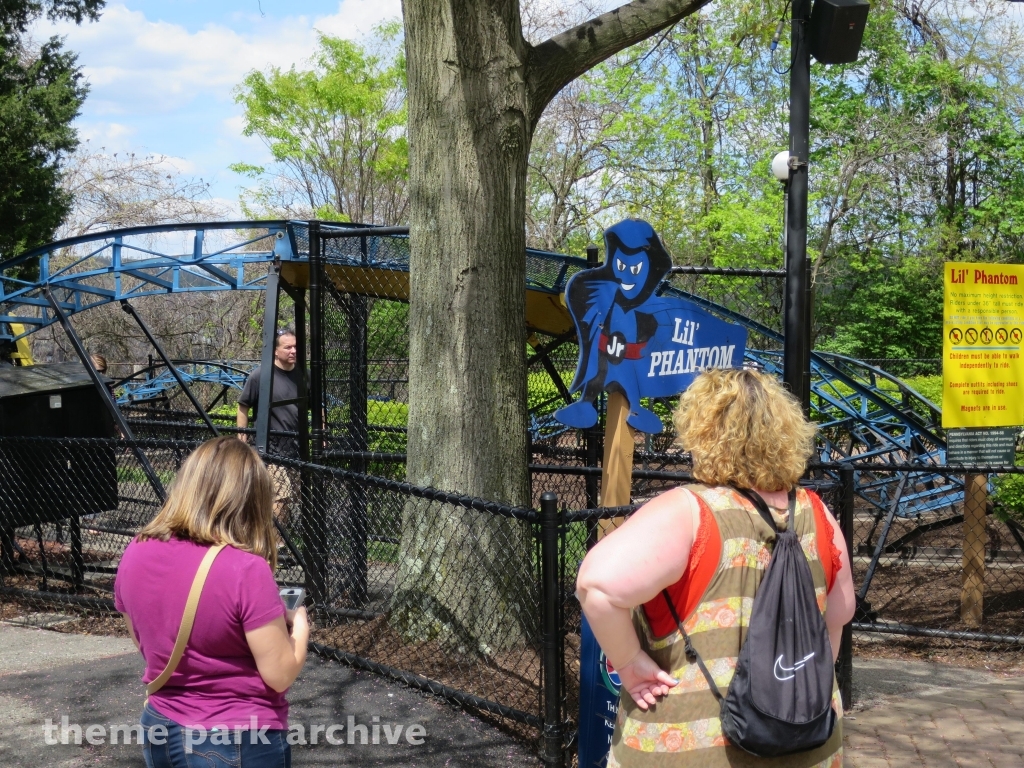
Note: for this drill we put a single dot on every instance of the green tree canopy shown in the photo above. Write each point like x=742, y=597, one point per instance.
x=336, y=132
x=916, y=158
x=41, y=92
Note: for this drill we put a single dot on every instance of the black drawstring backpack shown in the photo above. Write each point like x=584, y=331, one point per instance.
x=780, y=698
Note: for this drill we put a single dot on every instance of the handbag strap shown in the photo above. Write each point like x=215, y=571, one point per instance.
x=187, y=620
x=691, y=652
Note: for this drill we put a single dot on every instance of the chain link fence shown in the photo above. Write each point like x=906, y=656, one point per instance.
x=416, y=584
x=472, y=600
x=362, y=351
x=439, y=591
x=937, y=556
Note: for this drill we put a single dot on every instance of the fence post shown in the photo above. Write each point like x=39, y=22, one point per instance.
x=272, y=304
x=358, y=438
x=551, y=743
x=845, y=666
x=314, y=516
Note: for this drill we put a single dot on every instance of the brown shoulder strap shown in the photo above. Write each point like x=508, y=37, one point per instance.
x=187, y=620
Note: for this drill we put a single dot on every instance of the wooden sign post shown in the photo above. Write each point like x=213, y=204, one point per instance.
x=617, y=472
x=972, y=593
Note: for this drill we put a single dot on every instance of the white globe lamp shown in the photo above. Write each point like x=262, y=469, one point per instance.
x=780, y=166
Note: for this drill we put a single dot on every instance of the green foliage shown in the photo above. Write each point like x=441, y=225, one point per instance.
x=41, y=92
x=917, y=157
x=1009, y=497
x=387, y=413
x=138, y=476
x=336, y=132
x=225, y=409
x=927, y=386
x=382, y=552
x=16, y=15
x=389, y=331
x=874, y=309
x=667, y=155
x=541, y=392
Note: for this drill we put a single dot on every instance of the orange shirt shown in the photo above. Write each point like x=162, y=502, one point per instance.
x=703, y=562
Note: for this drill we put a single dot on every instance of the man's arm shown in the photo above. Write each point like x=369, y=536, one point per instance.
x=248, y=398
x=242, y=421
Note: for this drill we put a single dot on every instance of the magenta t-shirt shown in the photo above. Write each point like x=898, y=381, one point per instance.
x=216, y=683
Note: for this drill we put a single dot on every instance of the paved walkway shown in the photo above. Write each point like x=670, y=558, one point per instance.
x=95, y=681
x=915, y=713
x=907, y=713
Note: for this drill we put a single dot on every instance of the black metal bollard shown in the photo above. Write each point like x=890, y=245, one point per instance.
x=314, y=513
x=551, y=742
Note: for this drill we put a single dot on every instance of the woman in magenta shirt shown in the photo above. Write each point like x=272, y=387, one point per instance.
x=225, y=703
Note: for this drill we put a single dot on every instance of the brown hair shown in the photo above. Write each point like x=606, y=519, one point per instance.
x=222, y=495
x=742, y=428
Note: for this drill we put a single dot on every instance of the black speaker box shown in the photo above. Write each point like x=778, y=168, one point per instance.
x=836, y=29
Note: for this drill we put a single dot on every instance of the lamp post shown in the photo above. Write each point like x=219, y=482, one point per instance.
x=796, y=357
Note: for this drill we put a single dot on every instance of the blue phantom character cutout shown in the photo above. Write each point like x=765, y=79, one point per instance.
x=634, y=341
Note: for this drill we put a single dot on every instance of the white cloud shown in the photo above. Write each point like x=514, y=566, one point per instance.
x=230, y=207
x=161, y=88
x=114, y=137
x=136, y=64
x=356, y=18
x=176, y=164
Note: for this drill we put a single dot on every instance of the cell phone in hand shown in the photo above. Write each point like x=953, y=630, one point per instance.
x=293, y=597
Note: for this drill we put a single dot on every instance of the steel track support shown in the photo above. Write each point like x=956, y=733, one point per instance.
x=107, y=396
x=263, y=407
x=129, y=309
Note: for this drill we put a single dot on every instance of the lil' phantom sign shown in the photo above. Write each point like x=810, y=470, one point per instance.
x=634, y=341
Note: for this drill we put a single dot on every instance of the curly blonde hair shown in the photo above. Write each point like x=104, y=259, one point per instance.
x=742, y=428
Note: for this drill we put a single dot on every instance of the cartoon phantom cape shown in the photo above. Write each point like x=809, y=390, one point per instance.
x=634, y=341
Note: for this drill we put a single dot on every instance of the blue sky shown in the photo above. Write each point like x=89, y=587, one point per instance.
x=161, y=72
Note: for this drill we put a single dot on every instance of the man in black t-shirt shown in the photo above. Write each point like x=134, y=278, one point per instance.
x=283, y=418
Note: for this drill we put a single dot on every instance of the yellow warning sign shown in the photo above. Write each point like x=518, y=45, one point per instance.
x=982, y=369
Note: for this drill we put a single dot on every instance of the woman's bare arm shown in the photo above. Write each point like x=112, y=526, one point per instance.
x=841, y=600
x=628, y=567
x=279, y=655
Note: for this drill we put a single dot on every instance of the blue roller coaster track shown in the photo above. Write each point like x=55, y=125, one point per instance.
x=865, y=413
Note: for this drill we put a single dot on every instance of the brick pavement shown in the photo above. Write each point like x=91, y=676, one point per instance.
x=969, y=726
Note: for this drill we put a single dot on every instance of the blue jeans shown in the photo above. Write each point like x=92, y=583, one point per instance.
x=193, y=749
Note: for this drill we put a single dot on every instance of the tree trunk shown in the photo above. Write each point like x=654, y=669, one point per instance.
x=476, y=90
x=467, y=574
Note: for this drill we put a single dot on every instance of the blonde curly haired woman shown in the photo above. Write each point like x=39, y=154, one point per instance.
x=224, y=704
x=707, y=546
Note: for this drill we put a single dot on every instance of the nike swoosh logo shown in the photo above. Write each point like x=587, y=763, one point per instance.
x=780, y=667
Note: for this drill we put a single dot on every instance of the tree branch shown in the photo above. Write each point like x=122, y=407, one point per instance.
x=558, y=61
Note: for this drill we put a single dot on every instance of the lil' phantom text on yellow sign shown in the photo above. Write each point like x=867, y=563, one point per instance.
x=981, y=347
